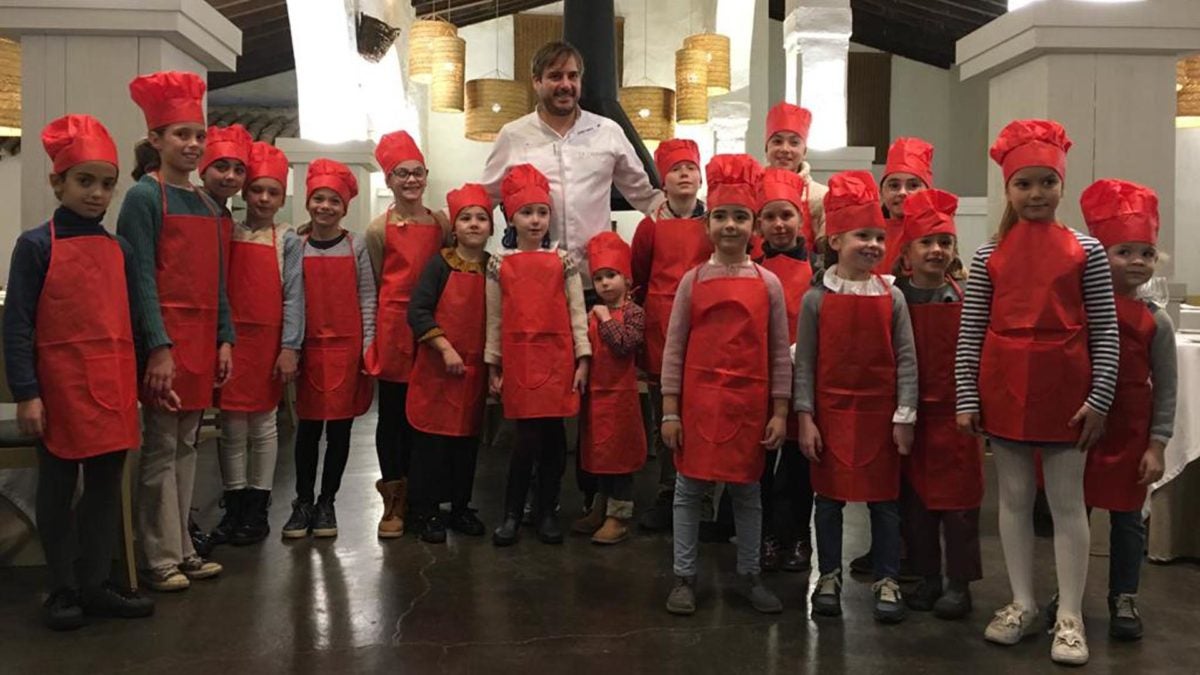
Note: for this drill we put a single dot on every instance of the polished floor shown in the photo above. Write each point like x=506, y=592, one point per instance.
x=359, y=605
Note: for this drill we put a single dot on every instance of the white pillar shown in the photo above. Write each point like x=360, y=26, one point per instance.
x=78, y=57
x=817, y=34
x=358, y=156
x=730, y=122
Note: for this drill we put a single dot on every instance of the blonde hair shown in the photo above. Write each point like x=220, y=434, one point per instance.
x=955, y=270
x=1007, y=220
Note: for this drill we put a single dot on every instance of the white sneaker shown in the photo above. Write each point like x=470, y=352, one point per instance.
x=1010, y=624
x=1070, y=643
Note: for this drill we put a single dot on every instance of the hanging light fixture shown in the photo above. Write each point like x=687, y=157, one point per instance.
x=716, y=48
x=650, y=108
x=1187, y=99
x=10, y=88
x=449, y=65
x=493, y=102
x=420, y=52
x=691, y=86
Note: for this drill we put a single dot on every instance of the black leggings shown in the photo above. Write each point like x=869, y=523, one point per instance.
x=787, y=495
x=337, y=451
x=394, y=436
x=443, y=469
x=544, y=441
x=89, y=531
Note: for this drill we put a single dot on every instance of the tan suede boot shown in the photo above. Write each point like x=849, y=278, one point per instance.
x=614, y=531
x=391, y=525
x=594, y=518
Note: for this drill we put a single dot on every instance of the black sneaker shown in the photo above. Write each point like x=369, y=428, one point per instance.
x=256, y=524
x=925, y=596
x=232, y=502
x=768, y=555
x=1124, y=620
x=466, y=522
x=324, y=523
x=548, y=529
x=433, y=531
x=826, y=597
x=798, y=557
x=200, y=541
x=889, y=603
x=300, y=522
x=955, y=603
x=113, y=601
x=506, y=533
x=62, y=610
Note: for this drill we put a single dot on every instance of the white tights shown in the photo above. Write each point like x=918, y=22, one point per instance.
x=1063, y=469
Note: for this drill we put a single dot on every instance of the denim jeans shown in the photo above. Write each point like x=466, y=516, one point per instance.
x=747, y=518
x=1127, y=543
x=885, y=536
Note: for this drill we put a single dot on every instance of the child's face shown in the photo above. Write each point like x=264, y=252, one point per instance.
x=786, y=150
x=325, y=207
x=683, y=180
x=729, y=228
x=532, y=222
x=264, y=197
x=859, y=250
x=86, y=188
x=408, y=179
x=610, y=285
x=1132, y=264
x=180, y=145
x=472, y=227
x=896, y=189
x=780, y=223
x=224, y=178
x=930, y=256
x=1034, y=193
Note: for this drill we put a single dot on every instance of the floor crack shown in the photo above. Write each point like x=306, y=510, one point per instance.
x=412, y=605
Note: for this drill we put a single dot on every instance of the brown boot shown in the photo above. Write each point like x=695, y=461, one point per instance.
x=614, y=531
x=594, y=518
x=391, y=525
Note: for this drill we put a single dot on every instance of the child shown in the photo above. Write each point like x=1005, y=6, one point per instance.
x=666, y=244
x=909, y=170
x=69, y=353
x=725, y=365
x=173, y=230
x=401, y=241
x=1036, y=367
x=266, y=297
x=333, y=388
x=445, y=403
x=612, y=442
x=945, y=469
x=856, y=392
x=787, y=148
x=537, y=322
x=786, y=488
x=1124, y=217
x=222, y=171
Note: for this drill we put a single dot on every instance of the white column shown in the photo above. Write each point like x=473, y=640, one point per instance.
x=818, y=32
x=730, y=122
x=358, y=156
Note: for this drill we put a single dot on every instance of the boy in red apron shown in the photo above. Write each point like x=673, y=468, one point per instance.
x=266, y=296
x=536, y=323
x=222, y=171
x=339, y=323
x=448, y=391
x=787, y=148
x=1036, y=368
x=401, y=241
x=909, y=170
x=786, y=488
x=612, y=437
x=726, y=383
x=174, y=230
x=71, y=366
x=944, y=473
x=1124, y=217
x=666, y=244
x=856, y=392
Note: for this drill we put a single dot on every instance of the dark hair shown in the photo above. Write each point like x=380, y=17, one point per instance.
x=145, y=158
x=551, y=53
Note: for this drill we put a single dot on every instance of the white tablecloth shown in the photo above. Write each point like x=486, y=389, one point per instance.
x=1185, y=442
x=1174, y=503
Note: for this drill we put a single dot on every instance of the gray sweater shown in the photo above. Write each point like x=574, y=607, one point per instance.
x=1164, y=376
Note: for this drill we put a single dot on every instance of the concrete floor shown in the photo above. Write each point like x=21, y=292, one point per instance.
x=356, y=604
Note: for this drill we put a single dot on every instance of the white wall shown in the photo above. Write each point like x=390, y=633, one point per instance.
x=1186, y=251
x=10, y=210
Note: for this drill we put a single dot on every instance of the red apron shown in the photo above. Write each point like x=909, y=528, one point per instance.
x=407, y=247
x=83, y=342
x=946, y=466
x=225, y=229
x=1110, y=479
x=891, y=250
x=447, y=404
x=679, y=245
x=726, y=381
x=613, y=437
x=1035, y=370
x=535, y=336
x=856, y=400
x=331, y=385
x=256, y=303
x=796, y=278
x=187, y=274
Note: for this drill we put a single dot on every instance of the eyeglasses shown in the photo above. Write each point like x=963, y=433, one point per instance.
x=405, y=174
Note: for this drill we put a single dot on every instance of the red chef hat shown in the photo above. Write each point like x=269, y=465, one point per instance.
x=74, y=139
x=396, y=147
x=608, y=250
x=929, y=212
x=911, y=155
x=326, y=173
x=780, y=184
x=231, y=142
x=524, y=185
x=266, y=161
x=852, y=203
x=733, y=179
x=1031, y=143
x=169, y=97
x=1117, y=211
x=673, y=151
x=787, y=117
x=470, y=194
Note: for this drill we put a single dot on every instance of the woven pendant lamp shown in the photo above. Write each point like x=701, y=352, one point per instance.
x=651, y=110
x=449, y=63
x=1187, y=99
x=10, y=87
x=492, y=103
x=716, y=48
x=691, y=86
x=420, y=53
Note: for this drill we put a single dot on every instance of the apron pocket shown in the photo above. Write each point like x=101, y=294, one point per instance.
x=718, y=412
x=395, y=335
x=197, y=352
x=534, y=365
x=111, y=380
x=325, y=367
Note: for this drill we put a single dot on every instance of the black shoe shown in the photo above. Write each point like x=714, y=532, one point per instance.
x=200, y=541
x=233, y=502
x=255, y=525
x=506, y=534
x=529, y=515
x=661, y=516
x=862, y=564
x=1124, y=620
x=768, y=554
x=113, y=601
x=300, y=522
x=62, y=610
x=548, y=530
x=889, y=602
x=798, y=557
x=466, y=522
x=433, y=531
x=324, y=523
x=955, y=603
x=925, y=596
x=826, y=597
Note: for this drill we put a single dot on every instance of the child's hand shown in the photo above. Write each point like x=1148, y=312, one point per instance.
x=31, y=417
x=775, y=433
x=160, y=372
x=601, y=312
x=810, y=438
x=581, y=376
x=170, y=402
x=224, y=364
x=286, y=365
x=672, y=434
x=968, y=423
x=1152, y=466
x=495, y=380
x=1092, y=427
x=903, y=435
x=454, y=362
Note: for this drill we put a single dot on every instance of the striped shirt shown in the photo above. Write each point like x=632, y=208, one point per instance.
x=1098, y=303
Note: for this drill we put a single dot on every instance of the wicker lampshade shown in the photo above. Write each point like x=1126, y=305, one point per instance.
x=10, y=87
x=492, y=103
x=449, y=63
x=1180, y=74
x=420, y=54
x=691, y=86
x=651, y=110
x=716, y=47
x=1187, y=99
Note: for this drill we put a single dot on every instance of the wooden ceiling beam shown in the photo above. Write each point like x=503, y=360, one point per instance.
x=917, y=44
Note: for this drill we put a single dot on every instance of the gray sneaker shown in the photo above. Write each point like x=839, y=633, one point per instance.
x=759, y=596
x=827, y=596
x=682, y=599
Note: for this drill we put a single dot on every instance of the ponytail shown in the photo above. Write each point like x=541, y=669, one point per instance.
x=145, y=159
x=1006, y=221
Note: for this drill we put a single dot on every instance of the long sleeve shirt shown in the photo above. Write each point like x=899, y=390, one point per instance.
x=289, y=252
x=624, y=337
x=576, y=309
x=581, y=168
x=26, y=276
x=426, y=295
x=140, y=223
x=1164, y=376
x=1098, y=304
x=642, y=246
x=342, y=245
x=779, y=357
